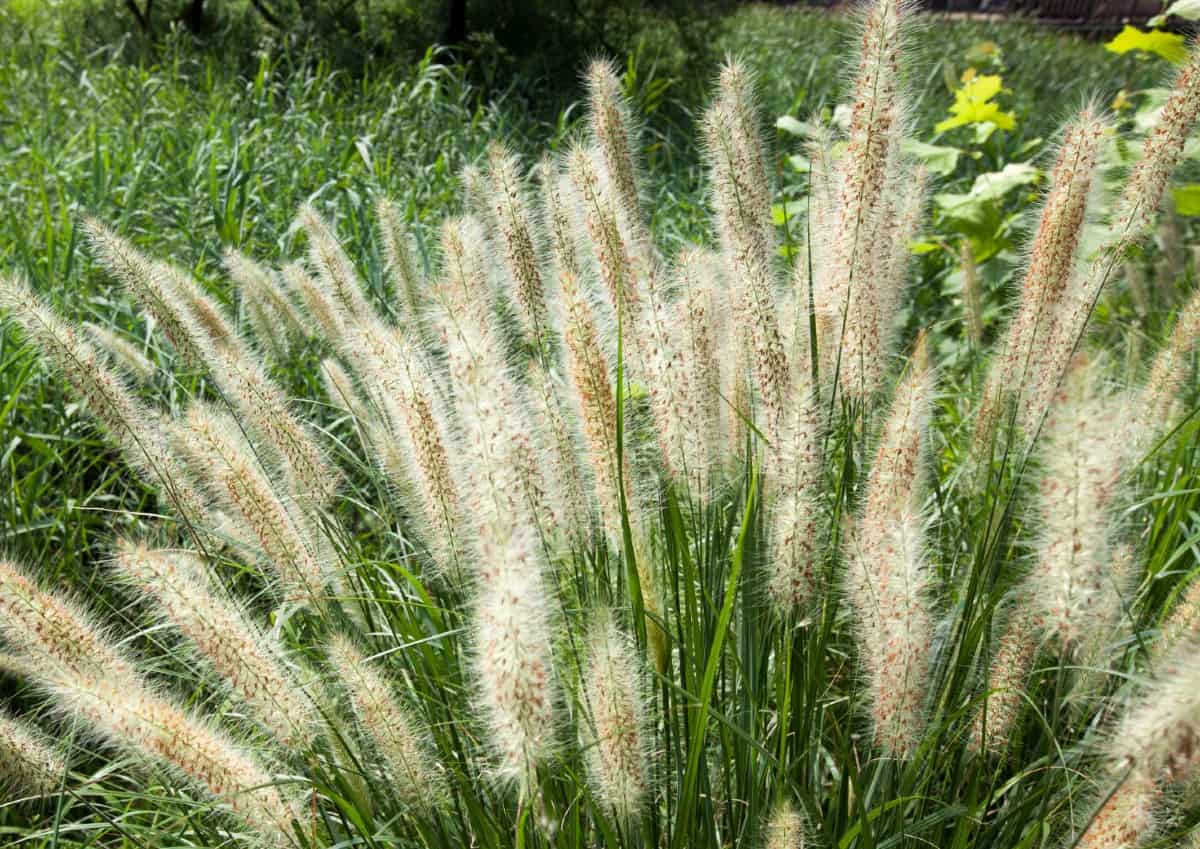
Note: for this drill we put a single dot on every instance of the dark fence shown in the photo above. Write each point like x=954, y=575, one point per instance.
x=1075, y=14
x=1101, y=14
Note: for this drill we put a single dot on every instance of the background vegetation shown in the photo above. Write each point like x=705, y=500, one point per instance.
x=190, y=143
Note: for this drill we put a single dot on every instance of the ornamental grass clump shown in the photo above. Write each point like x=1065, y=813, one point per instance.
x=519, y=530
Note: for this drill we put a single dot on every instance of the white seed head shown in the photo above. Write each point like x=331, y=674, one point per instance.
x=401, y=264
x=616, y=734
x=1125, y=819
x=151, y=284
x=335, y=271
x=223, y=634
x=1008, y=675
x=786, y=828
x=1082, y=457
x=126, y=355
x=28, y=761
x=613, y=133
x=518, y=693
x=1159, y=737
x=516, y=229
x=416, y=776
x=132, y=425
x=888, y=575
x=221, y=456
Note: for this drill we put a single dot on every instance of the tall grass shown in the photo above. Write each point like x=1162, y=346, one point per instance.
x=535, y=532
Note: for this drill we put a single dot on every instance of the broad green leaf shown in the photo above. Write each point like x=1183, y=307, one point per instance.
x=984, y=131
x=788, y=211
x=1169, y=45
x=1187, y=199
x=987, y=188
x=941, y=159
x=922, y=248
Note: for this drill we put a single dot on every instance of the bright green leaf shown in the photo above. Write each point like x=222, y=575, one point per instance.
x=941, y=159
x=986, y=189
x=984, y=131
x=1187, y=199
x=973, y=104
x=1169, y=45
x=788, y=211
x=922, y=248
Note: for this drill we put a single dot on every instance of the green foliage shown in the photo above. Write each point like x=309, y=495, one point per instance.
x=188, y=155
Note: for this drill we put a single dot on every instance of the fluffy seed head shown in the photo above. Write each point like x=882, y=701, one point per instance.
x=223, y=634
x=134, y=718
x=219, y=453
x=1161, y=153
x=52, y=634
x=502, y=458
x=417, y=430
x=401, y=265
x=1182, y=625
x=696, y=319
x=464, y=287
x=515, y=225
x=28, y=762
x=1030, y=358
x=1082, y=456
x=901, y=449
x=334, y=268
x=888, y=573
x=308, y=478
x=564, y=450
x=318, y=305
x=674, y=403
x=612, y=250
x=127, y=356
x=1125, y=819
x=514, y=664
x=88, y=677
x=972, y=294
x=1160, y=736
x=747, y=234
x=1169, y=371
x=133, y=426
x=339, y=386
x=215, y=328
x=793, y=482
x=268, y=306
x=786, y=828
x=592, y=395
x=617, y=746
x=1008, y=674
x=863, y=231
x=612, y=130
x=416, y=776
x=147, y=282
